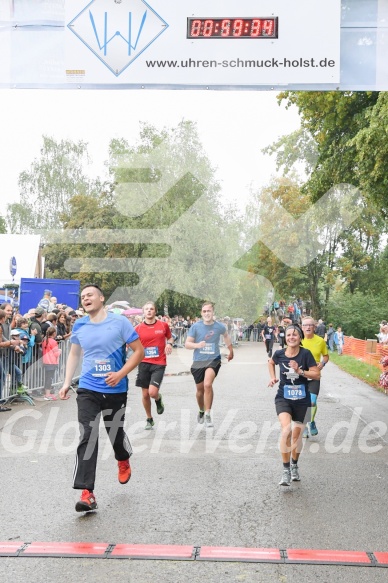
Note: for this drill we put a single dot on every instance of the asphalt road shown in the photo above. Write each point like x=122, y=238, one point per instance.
x=192, y=486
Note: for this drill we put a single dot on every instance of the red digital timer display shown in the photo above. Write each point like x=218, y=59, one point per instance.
x=232, y=27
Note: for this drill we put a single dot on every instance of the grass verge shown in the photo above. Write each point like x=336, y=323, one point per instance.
x=365, y=372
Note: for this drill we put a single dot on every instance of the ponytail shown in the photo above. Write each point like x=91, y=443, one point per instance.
x=49, y=334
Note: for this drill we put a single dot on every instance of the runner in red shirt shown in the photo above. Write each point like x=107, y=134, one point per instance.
x=157, y=341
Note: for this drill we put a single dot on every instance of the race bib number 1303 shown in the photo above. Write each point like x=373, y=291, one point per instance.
x=103, y=367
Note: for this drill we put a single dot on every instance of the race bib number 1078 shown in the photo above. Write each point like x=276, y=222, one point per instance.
x=294, y=392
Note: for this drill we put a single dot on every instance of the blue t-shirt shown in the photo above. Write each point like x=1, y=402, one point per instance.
x=103, y=344
x=211, y=334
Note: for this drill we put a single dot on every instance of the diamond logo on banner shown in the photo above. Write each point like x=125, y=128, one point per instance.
x=117, y=32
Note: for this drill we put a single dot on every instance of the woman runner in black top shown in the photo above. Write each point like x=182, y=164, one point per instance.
x=292, y=401
x=268, y=334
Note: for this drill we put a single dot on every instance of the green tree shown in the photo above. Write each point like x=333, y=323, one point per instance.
x=46, y=188
x=165, y=185
x=361, y=249
x=349, y=129
x=344, y=134
x=371, y=147
x=92, y=217
x=3, y=225
x=294, y=152
x=269, y=220
x=359, y=314
x=159, y=232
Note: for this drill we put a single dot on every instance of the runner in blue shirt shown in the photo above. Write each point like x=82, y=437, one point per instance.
x=102, y=338
x=204, y=338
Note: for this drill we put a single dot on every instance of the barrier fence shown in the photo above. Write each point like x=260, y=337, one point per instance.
x=368, y=351
x=179, y=334
x=31, y=375
x=252, y=334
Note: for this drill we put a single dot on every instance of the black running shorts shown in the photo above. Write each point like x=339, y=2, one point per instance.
x=299, y=413
x=199, y=367
x=314, y=386
x=149, y=374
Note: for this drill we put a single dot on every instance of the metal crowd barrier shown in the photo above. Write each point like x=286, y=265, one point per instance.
x=253, y=335
x=32, y=374
x=234, y=337
x=180, y=335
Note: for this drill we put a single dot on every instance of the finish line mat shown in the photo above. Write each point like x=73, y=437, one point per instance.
x=192, y=553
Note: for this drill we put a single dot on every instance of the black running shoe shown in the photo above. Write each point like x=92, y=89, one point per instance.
x=159, y=405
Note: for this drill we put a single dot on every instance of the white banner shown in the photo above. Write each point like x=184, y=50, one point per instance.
x=202, y=42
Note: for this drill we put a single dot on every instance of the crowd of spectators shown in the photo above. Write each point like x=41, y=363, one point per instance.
x=22, y=337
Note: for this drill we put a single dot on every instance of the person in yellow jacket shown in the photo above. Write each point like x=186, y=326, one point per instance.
x=318, y=348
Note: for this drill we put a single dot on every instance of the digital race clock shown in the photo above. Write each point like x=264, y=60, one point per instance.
x=233, y=27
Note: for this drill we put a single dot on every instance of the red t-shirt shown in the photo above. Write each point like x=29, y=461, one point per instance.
x=153, y=338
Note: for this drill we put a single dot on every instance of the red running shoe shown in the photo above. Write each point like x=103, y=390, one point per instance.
x=124, y=471
x=86, y=502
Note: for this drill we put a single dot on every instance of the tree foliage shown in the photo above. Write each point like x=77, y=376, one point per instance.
x=342, y=140
x=295, y=151
x=48, y=185
x=349, y=129
x=3, y=225
x=266, y=212
x=159, y=231
x=180, y=202
x=299, y=245
x=71, y=260
x=359, y=314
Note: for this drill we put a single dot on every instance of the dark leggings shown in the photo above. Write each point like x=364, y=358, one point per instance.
x=269, y=346
x=91, y=405
x=49, y=374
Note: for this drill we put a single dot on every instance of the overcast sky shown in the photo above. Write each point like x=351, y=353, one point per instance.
x=233, y=127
